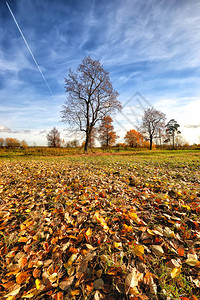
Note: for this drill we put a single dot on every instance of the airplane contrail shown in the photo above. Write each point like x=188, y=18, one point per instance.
x=29, y=49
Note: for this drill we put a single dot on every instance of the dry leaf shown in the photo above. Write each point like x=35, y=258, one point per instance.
x=158, y=250
x=175, y=272
x=65, y=285
x=139, y=250
x=22, y=277
x=98, y=284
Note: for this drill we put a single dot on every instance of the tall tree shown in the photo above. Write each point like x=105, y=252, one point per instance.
x=53, y=138
x=107, y=135
x=134, y=138
x=153, y=122
x=171, y=130
x=90, y=97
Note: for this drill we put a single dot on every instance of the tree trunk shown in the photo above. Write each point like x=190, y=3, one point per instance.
x=173, y=140
x=151, y=142
x=86, y=144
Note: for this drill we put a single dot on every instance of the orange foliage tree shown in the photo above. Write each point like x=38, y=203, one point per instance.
x=12, y=143
x=134, y=138
x=107, y=135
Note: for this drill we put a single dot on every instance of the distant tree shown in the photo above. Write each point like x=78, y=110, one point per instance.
x=24, y=144
x=12, y=143
x=1, y=142
x=134, y=138
x=153, y=122
x=75, y=143
x=53, y=138
x=107, y=135
x=171, y=131
x=90, y=97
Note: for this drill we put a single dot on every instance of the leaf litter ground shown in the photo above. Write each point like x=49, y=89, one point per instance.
x=123, y=227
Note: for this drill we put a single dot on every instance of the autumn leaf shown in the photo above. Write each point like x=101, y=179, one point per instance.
x=22, y=239
x=158, y=250
x=38, y=284
x=175, y=272
x=14, y=292
x=138, y=250
x=181, y=251
x=22, y=262
x=22, y=277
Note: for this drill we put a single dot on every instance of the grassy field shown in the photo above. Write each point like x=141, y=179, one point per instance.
x=100, y=226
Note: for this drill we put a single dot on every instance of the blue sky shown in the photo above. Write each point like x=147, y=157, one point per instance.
x=150, y=47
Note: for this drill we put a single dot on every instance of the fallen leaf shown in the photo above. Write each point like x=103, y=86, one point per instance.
x=158, y=250
x=175, y=272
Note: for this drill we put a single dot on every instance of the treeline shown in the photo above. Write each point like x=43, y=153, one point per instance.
x=12, y=143
x=166, y=137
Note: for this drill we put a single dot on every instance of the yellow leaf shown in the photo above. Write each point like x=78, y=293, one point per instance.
x=22, y=239
x=150, y=231
x=139, y=250
x=38, y=284
x=54, y=240
x=70, y=260
x=127, y=228
x=133, y=215
x=75, y=292
x=22, y=227
x=89, y=232
x=175, y=272
x=101, y=221
x=117, y=245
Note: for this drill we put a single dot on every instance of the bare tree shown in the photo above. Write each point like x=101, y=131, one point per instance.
x=90, y=97
x=153, y=122
x=53, y=138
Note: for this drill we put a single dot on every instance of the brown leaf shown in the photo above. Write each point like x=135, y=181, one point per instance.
x=36, y=273
x=22, y=277
x=22, y=262
x=65, y=285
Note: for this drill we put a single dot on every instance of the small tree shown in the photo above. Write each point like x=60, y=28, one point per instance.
x=53, y=138
x=12, y=143
x=153, y=122
x=75, y=143
x=90, y=97
x=171, y=131
x=134, y=138
x=24, y=144
x=1, y=142
x=107, y=135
